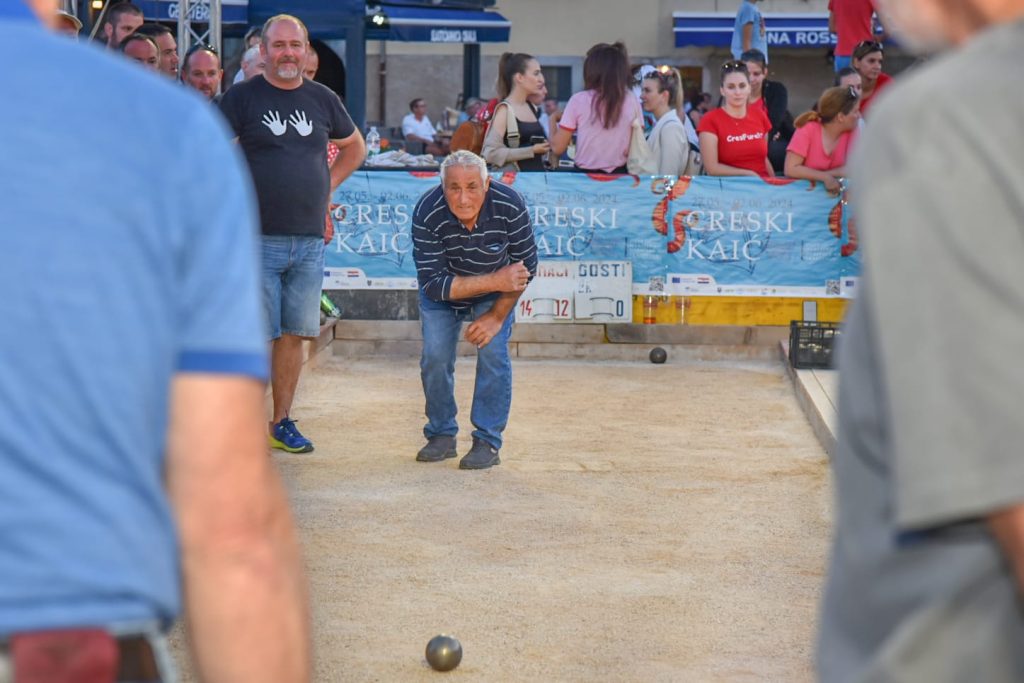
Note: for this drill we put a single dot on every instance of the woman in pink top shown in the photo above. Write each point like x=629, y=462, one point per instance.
x=602, y=115
x=820, y=145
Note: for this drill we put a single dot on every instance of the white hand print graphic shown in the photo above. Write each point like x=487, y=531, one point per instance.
x=300, y=123
x=272, y=120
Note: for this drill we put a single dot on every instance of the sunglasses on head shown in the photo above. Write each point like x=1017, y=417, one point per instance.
x=201, y=46
x=663, y=73
x=866, y=47
x=735, y=65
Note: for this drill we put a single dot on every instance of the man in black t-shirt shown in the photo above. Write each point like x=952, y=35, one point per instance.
x=283, y=123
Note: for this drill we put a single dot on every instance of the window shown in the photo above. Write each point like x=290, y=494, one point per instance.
x=559, y=81
x=693, y=79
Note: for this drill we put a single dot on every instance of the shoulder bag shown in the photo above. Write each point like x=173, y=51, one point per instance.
x=640, y=160
x=495, y=152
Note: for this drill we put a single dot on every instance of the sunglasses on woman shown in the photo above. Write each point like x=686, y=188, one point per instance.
x=866, y=47
x=663, y=73
x=734, y=67
x=870, y=46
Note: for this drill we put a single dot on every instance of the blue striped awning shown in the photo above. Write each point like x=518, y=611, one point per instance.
x=231, y=11
x=427, y=25
x=714, y=29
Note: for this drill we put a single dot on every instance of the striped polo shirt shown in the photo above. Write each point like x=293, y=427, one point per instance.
x=443, y=248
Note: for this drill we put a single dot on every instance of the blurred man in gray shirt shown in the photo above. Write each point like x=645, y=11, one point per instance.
x=928, y=559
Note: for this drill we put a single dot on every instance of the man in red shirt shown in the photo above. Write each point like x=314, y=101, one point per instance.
x=852, y=21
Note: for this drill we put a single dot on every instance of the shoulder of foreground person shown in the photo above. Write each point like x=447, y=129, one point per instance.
x=926, y=88
x=102, y=87
x=919, y=111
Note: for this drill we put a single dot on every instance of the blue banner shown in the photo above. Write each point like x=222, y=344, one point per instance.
x=437, y=25
x=699, y=236
x=715, y=29
x=231, y=11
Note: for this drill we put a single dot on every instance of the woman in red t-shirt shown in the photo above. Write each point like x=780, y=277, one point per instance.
x=867, y=61
x=734, y=137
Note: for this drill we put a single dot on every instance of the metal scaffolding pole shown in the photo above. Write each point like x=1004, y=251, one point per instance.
x=193, y=15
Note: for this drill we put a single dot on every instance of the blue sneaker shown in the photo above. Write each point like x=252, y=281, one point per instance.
x=286, y=437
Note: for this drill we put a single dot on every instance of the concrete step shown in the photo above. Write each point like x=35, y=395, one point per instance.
x=715, y=335
x=641, y=352
x=377, y=330
x=382, y=348
x=559, y=333
x=387, y=348
x=578, y=333
x=625, y=342
x=409, y=330
x=817, y=392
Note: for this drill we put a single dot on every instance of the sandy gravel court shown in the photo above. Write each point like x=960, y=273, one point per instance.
x=647, y=523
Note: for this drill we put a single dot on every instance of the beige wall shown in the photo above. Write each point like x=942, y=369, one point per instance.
x=559, y=32
x=569, y=27
x=437, y=78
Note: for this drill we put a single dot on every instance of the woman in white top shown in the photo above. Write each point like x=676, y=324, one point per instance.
x=661, y=94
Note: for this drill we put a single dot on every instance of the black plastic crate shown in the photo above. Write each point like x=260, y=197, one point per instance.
x=811, y=343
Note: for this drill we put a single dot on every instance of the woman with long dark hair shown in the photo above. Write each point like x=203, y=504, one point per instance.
x=602, y=115
x=772, y=98
x=524, y=142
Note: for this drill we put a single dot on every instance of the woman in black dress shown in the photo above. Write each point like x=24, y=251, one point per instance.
x=523, y=143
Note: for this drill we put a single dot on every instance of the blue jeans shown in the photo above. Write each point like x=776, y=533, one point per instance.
x=293, y=277
x=841, y=63
x=492, y=394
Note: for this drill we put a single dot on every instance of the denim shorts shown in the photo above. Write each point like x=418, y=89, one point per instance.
x=293, y=276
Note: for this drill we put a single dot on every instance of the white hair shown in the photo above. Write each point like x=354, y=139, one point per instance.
x=465, y=159
x=251, y=55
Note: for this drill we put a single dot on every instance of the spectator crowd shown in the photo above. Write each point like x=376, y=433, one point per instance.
x=750, y=132
x=154, y=46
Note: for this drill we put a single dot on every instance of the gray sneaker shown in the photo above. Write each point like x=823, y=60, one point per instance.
x=481, y=456
x=438, y=448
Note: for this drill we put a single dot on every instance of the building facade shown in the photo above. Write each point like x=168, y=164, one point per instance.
x=692, y=35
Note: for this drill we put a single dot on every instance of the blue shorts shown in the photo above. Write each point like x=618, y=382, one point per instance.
x=841, y=63
x=293, y=276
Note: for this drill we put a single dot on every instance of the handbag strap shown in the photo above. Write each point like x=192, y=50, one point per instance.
x=511, y=125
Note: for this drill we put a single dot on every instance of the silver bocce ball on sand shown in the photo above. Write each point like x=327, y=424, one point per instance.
x=444, y=653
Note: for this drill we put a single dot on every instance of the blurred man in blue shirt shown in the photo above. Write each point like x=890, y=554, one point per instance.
x=133, y=461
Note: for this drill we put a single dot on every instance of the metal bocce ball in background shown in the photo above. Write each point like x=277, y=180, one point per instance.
x=444, y=653
x=658, y=355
